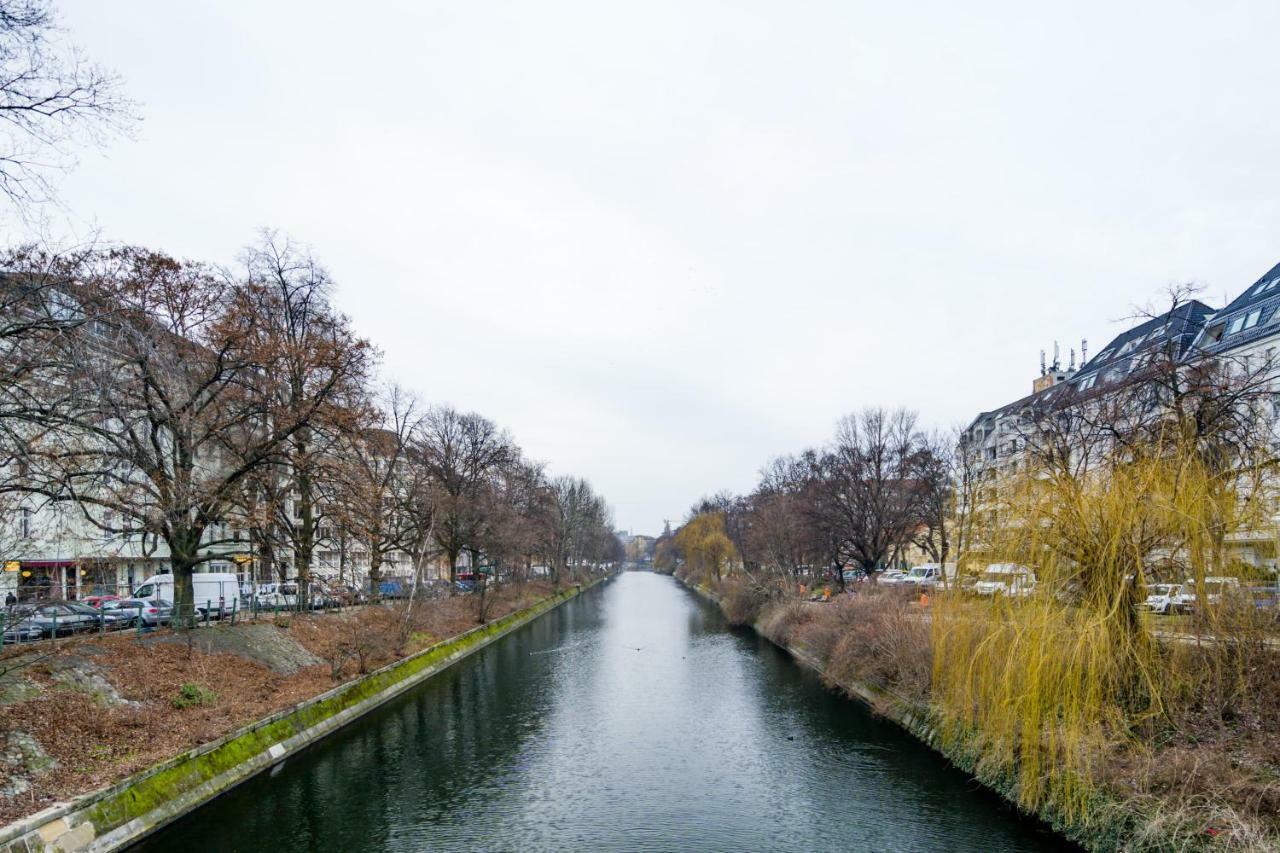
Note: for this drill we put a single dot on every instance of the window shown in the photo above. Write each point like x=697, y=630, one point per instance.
x=1214, y=333
x=27, y=529
x=1105, y=354
x=1087, y=382
x=1241, y=322
x=1266, y=286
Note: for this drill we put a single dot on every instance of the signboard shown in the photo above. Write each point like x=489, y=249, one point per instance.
x=12, y=565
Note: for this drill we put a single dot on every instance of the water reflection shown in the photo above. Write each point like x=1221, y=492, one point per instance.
x=628, y=719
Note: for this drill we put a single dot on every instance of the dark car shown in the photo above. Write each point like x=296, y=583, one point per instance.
x=392, y=589
x=19, y=629
x=57, y=618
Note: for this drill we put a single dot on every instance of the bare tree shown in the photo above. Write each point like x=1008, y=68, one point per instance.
x=387, y=500
x=462, y=454
x=311, y=352
x=580, y=523
x=169, y=410
x=865, y=485
x=933, y=475
x=51, y=97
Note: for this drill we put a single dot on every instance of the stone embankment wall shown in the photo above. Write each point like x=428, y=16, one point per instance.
x=119, y=815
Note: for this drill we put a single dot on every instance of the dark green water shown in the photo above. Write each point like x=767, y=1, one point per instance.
x=562, y=736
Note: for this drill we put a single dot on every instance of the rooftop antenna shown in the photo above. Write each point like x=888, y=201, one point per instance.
x=1084, y=351
x=1042, y=370
x=1072, y=366
x=1057, y=362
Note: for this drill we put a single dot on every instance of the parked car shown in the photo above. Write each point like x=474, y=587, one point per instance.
x=152, y=612
x=854, y=575
x=892, y=577
x=104, y=618
x=56, y=618
x=20, y=630
x=1265, y=597
x=392, y=589
x=1215, y=588
x=925, y=575
x=1162, y=598
x=1006, y=579
x=97, y=600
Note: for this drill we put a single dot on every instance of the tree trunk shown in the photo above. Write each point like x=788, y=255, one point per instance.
x=182, y=556
x=304, y=539
x=375, y=574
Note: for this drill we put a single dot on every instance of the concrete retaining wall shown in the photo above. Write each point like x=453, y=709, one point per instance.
x=111, y=818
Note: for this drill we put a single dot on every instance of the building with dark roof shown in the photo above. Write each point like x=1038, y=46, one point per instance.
x=1250, y=317
x=996, y=438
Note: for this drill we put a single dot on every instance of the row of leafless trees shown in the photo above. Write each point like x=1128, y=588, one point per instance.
x=880, y=486
x=217, y=412
x=223, y=411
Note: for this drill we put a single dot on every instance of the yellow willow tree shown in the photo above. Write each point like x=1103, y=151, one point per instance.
x=706, y=545
x=1041, y=685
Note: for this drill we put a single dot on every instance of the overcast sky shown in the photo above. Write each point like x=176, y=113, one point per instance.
x=662, y=242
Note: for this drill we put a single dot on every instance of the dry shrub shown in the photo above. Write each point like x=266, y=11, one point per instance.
x=883, y=640
x=782, y=621
x=1193, y=798
x=742, y=600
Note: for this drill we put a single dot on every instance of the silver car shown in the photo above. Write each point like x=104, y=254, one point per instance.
x=151, y=612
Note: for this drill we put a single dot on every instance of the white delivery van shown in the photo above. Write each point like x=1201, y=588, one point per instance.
x=216, y=592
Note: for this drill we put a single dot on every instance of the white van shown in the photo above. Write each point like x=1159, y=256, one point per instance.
x=926, y=575
x=216, y=592
x=1006, y=579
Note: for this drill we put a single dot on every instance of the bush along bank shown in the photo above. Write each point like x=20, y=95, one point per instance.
x=879, y=646
x=115, y=816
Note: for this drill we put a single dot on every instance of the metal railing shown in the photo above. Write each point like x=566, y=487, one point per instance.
x=37, y=615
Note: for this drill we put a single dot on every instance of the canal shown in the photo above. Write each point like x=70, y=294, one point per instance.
x=630, y=718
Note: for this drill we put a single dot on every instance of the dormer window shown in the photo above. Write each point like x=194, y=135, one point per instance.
x=1087, y=382
x=1266, y=286
x=1244, y=321
x=1105, y=354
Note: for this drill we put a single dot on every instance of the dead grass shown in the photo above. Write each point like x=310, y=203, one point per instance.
x=95, y=741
